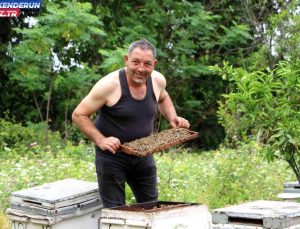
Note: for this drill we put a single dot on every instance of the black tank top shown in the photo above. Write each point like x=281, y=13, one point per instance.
x=129, y=118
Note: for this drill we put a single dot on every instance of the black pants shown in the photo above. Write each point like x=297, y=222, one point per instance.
x=113, y=170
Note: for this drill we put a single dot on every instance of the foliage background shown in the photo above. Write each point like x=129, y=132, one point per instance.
x=48, y=66
x=216, y=178
x=44, y=79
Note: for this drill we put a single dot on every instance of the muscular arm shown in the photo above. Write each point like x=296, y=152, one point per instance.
x=166, y=106
x=81, y=117
x=89, y=105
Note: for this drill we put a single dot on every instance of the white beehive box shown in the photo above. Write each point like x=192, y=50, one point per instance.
x=64, y=204
x=156, y=215
x=291, y=192
x=257, y=215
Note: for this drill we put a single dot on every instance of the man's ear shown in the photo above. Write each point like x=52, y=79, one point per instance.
x=155, y=62
x=126, y=58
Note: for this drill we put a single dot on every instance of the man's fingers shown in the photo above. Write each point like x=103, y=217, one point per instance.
x=114, y=144
x=111, y=144
x=110, y=149
x=181, y=122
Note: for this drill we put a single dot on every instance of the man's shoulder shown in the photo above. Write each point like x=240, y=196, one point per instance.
x=158, y=78
x=112, y=76
x=157, y=74
x=109, y=82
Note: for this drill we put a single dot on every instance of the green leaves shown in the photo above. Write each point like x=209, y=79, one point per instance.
x=55, y=40
x=236, y=34
x=51, y=53
x=265, y=104
x=71, y=21
x=114, y=59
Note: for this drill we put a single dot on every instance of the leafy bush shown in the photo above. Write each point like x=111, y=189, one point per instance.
x=20, y=140
x=265, y=106
x=12, y=134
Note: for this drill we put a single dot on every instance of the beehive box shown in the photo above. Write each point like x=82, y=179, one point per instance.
x=63, y=204
x=158, y=141
x=257, y=215
x=156, y=215
x=291, y=192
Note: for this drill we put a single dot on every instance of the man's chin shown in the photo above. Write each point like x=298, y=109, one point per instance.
x=139, y=81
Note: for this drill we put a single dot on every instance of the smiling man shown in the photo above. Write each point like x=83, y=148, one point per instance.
x=126, y=101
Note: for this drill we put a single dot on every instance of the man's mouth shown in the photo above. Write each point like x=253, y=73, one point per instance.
x=140, y=76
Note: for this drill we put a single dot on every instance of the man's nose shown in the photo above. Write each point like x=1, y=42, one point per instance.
x=141, y=67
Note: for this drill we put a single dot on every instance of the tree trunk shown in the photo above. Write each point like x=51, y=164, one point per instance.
x=293, y=164
x=48, y=110
x=38, y=107
x=66, y=119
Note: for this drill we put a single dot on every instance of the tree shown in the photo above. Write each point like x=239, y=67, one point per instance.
x=10, y=92
x=265, y=106
x=50, y=53
x=277, y=33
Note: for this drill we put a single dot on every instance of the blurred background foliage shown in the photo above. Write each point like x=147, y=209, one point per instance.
x=49, y=62
x=232, y=69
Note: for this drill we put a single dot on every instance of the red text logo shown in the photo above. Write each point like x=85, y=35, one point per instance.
x=9, y=12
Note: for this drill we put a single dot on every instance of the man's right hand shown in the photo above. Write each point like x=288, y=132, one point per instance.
x=111, y=144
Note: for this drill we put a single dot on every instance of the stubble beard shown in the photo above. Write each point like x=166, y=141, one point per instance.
x=137, y=80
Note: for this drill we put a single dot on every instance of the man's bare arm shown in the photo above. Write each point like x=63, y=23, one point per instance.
x=167, y=109
x=88, y=106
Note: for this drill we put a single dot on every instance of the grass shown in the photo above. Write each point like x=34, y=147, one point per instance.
x=4, y=224
x=222, y=177
x=216, y=178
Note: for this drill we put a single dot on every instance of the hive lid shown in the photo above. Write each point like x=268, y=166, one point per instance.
x=269, y=214
x=294, y=184
x=37, y=217
x=55, y=195
x=171, y=142
x=289, y=195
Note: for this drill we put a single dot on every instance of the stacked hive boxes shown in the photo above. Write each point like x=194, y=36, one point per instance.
x=258, y=215
x=63, y=204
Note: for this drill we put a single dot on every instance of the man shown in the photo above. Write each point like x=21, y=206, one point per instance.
x=127, y=101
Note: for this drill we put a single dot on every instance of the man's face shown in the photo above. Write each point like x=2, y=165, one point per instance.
x=140, y=63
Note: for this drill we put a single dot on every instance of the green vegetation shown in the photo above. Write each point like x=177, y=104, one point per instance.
x=54, y=40
x=48, y=67
x=248, y=115
x=217, y=178
x=4, y=224
x=265, y=106
x=221, y=177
